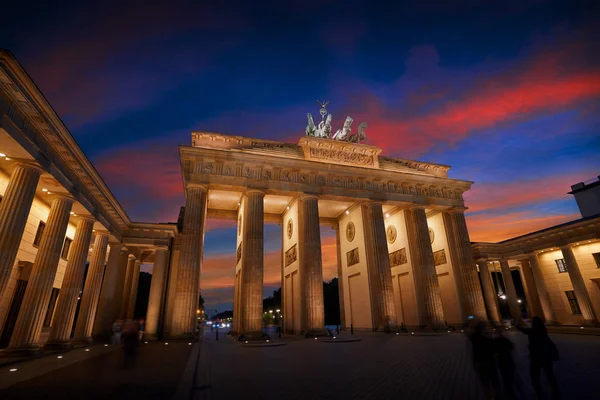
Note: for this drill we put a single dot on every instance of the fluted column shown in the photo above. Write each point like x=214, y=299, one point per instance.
x=111, y=294
x=127, y=286
x=427, y=286
x=472, y=296
x=188, y=275
x=14, y=210
x=338, y=249
x=511, y=292
x=135, y=280
x=60, y=333
x=252, y=263
x=157, y=290
x=91, y=289
x=542, y=291
x=39, y=287
x=309, y=265
x=491, y=297
x=378, y=267
x=581, y=292
x=533, y=300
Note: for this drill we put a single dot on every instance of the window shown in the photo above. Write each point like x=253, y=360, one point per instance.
x=597, y=258
x=573, y=302
x=65, y=249
x=38, y=234
x=562, y=266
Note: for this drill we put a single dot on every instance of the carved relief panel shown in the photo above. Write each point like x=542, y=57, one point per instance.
x=350, y=231
x=352, y=257
x=439, y=257
x=398, y=257
x=291, y=255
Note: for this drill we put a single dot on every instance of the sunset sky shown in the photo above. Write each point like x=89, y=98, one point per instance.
x=507, y=94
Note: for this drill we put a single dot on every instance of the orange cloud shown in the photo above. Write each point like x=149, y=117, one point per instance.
x=504, y=195
x=484, y=228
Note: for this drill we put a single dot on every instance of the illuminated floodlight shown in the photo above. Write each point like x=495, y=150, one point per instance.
x=59, y=357
x=13, y=370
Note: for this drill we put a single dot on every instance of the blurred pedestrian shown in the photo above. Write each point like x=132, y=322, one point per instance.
x=506, y=364
x=117, y=331
x=483, y=359
x=130, y=343
x=142, y=328
x=542, y=354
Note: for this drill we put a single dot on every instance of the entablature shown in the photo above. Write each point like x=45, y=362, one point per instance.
x=223, y=168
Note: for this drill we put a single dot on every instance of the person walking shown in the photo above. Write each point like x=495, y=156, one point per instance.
x=542, y=354
x=506, y=364
x=130, y=343
x=483, y=360
x=117, y=330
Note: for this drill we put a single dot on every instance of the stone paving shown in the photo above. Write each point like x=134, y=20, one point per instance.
x=158, y=370
x=378, y=366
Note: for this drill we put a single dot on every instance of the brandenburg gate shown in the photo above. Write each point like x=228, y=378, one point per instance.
x=404, y=254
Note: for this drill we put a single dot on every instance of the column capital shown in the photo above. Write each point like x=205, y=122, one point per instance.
x=374, y=203
x=196, y=186
x=86, y=217
x=161, y=247
x=132, y=257
x=482, y=260
x=306, y=196
x=416, y=207
x=254, y=192
x=29, y=165
x=456, y=210
x=66, y=197
x=102, y=232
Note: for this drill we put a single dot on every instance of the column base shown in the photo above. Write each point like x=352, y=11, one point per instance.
x=317, y=333
x=253, y=336
x=183, y=336
x=62, y=345
x=83, y=341
x=25, y=351
x=149, y=336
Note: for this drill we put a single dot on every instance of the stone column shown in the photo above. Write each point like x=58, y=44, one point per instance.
x=309, y=265
x=511, y=292
x=157, y=289
x=491, y=297
x=533, y=300
x=60, y=333
x=188, y=275
x=338, y=248
x=378, y=267
x=472, y=296
x=14, y=210
x=581, y=292
x=91, y=290
x=127, y=286
x=427, y=287
x=111, y=294
x=39, y=287
x=135, y=280
x=540, y=285
x=252, y=264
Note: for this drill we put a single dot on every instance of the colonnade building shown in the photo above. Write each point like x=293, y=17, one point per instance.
x=70, y=256
x=558, y=266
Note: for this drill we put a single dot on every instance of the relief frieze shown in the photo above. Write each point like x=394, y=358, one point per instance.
x=341, y=156
x=291, y=255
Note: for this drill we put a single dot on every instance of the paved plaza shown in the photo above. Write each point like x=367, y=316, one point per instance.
x=377, y=367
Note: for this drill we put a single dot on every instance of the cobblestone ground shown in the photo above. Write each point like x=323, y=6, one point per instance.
x=156, y=375
x=380, y=367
